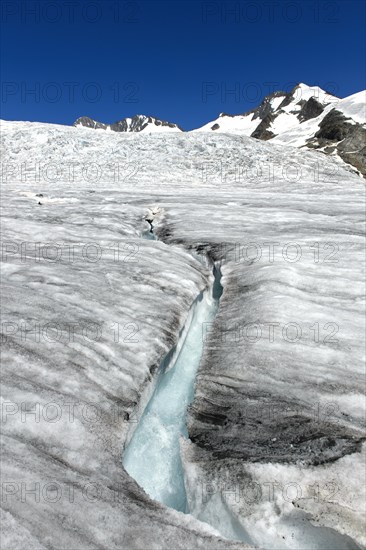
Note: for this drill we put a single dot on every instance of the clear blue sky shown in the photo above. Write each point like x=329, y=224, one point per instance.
x=177, y=60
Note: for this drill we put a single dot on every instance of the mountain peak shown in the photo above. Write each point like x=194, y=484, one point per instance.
x=276, y=113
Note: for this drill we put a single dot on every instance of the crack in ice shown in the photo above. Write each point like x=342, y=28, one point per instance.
x=152, y=457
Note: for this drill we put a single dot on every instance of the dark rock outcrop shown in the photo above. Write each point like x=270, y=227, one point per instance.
x=346, y=136
x=265, y=108
x=261, y=131
x=353, y=148
x=311, y=109
x=334, y=127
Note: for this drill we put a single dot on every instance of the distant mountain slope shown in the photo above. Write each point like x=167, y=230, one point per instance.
x=339, y=130
x=278, y=112
x=138, y=123
x=305, y=117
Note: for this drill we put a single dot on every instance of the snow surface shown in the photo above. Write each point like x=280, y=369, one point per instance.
x=78, y=260
x=354, y=106
x=238, y=124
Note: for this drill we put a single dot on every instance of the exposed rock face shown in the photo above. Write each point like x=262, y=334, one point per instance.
x=137, y=123
x=333, y=127
x=262, y=132
x=353, y=148
x=310, y=109
x=265, y=108
x=340, y=133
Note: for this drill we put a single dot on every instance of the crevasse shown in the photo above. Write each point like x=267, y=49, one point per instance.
x=152, y=457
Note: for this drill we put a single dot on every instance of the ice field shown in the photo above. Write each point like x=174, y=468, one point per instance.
x=253, y=405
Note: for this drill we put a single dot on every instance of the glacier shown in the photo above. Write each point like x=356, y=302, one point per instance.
x=272, y=449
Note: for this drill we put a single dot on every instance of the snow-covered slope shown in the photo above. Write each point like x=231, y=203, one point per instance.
x=138, y=123
x=91, y=308
x=352, y=107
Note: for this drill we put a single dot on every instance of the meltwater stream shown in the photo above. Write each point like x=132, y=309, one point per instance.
x=152, y=457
